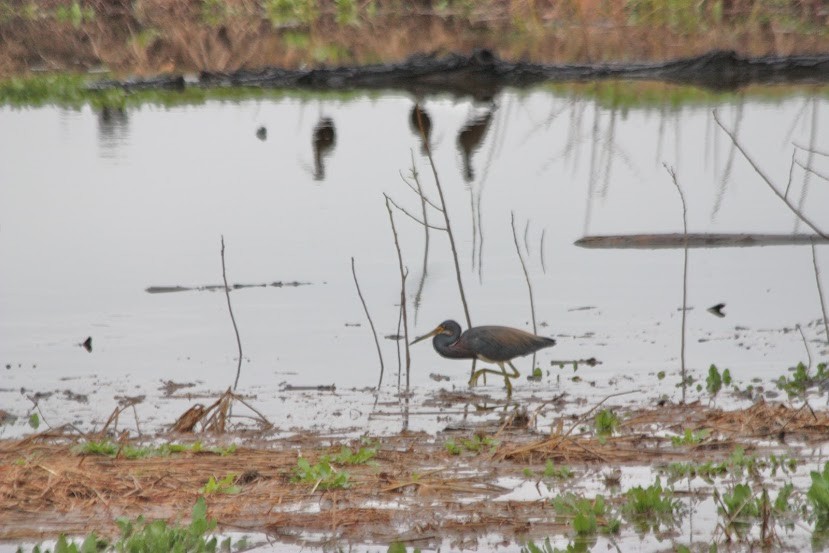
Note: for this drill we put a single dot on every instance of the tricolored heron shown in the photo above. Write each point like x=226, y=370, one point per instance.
x=491, y=344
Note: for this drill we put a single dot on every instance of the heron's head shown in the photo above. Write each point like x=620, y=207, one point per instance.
x=442, y=328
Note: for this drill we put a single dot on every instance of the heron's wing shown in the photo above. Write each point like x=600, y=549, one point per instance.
x=502, y=343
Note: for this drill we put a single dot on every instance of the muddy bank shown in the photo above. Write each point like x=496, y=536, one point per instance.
x=410, y=487
x=482, y=74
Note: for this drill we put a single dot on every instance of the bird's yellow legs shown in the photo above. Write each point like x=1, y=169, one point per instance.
x=515, y=374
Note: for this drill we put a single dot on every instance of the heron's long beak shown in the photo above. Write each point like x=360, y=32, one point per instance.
x=438, y=330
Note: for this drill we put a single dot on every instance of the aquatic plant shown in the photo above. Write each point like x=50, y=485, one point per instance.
x=476, y=444
x=320, y=475
x=108, y=448
x=224, y=485
x=606, y=423
x=139, y=536
x=649, y=507
x=587, y=516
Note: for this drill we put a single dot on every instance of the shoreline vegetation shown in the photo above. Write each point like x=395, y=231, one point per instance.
x=154, y=37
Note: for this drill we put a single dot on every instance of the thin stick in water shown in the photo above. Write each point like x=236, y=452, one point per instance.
x=820, y=293
x=526, y=274
x=403, y=290
x=684, y=276
x=443, y=210
x=232, y=318
x=370, y=322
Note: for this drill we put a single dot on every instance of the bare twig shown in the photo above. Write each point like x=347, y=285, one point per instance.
x=684, y=276
x=417, y=189
x=791, y=172
x=541, y=248
x=232, y=318
x=820, y=293
x=767, y=180
x=370, y=322
x=806, y=167
x=403, y=273
x=806, y=347
x=424, y=223
x=526, y=274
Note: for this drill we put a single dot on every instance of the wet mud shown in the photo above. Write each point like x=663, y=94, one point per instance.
x=415, y=490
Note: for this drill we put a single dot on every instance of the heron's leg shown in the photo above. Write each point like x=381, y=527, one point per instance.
x=502, y=373
x=515, y=373
x=477, y=374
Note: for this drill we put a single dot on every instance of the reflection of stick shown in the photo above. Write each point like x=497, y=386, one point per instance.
x=820, y=293
x=370, y=322
x=759, y=171
x=684, y=275
x=448, y=229
x=526, y=274
x=426, y=237
x=232, y=318
x=402, y=291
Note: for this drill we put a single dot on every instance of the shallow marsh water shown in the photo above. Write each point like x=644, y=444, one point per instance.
x=96, y=208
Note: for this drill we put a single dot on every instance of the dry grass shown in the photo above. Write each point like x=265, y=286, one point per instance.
x=157, y=36
x=412, y=483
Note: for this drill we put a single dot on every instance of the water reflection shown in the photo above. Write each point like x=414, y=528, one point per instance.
x=113, y=130
x=470, y=139
x=324, y=140
x=420, y=124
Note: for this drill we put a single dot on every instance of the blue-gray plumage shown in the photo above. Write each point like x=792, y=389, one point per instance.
x=492, y=344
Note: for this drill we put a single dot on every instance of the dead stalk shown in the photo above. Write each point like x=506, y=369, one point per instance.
x=370, y=322
x=820, y=293
x=232, y=318
x=402, y=291
x=448, y=229
x=526, y=274
x=767, y=180
x=684, y=277
x=451, y=235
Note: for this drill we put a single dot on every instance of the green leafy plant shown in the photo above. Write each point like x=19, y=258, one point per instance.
x=547, y=547
x=108, y=448
x=587, y=516
x=690, y=437
x=737, y=464
x=476, y=444
x=320, y=475
x=650, y=507
x=225, y=485
x=818, y=496
x=140, y=536
x=348, y=457
x=800, y=380
x=291, y=12
x=606, y=423
x=74, y=13
x=34, y=420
